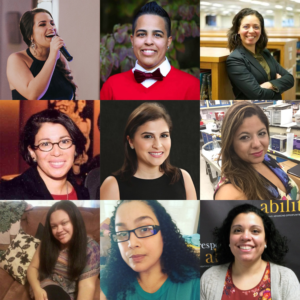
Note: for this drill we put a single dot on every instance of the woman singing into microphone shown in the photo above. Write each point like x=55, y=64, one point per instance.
x=40, y=72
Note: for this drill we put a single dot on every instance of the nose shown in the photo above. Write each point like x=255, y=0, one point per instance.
x=245, y=236
x=255, y=142
x=59, y=228
x=56, y=151
x=156, y=143
x=133, y=241
x=251, y=29
x=148, y=40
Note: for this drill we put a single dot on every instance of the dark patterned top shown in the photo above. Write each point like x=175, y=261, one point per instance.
x=261, y=292
x=292, y=190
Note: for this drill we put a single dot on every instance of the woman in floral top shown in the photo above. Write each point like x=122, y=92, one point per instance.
x=250, y=252
x=247, y=172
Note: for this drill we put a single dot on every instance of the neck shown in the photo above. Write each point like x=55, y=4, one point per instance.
x=258, y=166
x=55, y=186
x=241, y=268
x=146, y=172
x=40, y=53
x=151, y=68
x=250, y=48
x=152, y=279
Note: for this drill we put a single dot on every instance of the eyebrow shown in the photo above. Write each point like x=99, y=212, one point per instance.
x=62, y=221
x=238, y=225
x=249, y=133
x=142, y=218
x=47, y=139
x=143, y=30
x=146, y=132
x=45, y=21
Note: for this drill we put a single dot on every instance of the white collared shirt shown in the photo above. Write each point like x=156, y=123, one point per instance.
x=165, y=68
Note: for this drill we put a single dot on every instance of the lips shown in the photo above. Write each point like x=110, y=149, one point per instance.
x=156, y=154
x=148, y=52
x=57, y=164
x=257, y=153
x=137, y=256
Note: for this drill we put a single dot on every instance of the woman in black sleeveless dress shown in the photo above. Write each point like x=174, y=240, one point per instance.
x=40, y=72
x=147, y=172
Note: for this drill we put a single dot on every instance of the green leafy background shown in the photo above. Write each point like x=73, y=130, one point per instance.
x=116, y=53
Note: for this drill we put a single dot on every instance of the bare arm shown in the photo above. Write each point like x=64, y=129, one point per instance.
x=33, y=275
x=110, y=189
x=229, y=192
x=20, y=77
x=189, y=186
x=86, y=288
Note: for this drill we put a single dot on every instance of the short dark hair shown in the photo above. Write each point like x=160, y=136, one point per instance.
x=234, y=39
x=178, y=260
x=276, y=244
x=142, y=114
x=54, y=116
x=152, y=8
x=50, y=246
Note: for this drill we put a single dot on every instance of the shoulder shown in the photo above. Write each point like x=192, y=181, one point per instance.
x=185, y=174
x=184, y=75
x=213, y=274
x=283, y=272
x=110, y=189
x=234, y=54
x=229, y=192
x=119, y=77
x=92, y=244
x=19, y=58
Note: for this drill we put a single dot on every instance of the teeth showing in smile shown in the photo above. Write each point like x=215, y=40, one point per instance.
x=245, y=248
x=50, y=35
x=148, y=51
x=157, y=154
x=57, y=163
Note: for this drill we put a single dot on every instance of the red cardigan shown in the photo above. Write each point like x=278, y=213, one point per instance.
x=177, y=85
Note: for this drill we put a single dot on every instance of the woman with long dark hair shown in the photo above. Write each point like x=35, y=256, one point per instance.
x=67, y=262
x=252, y=70
x=147, y=172
x=148, y=259
x=250, y=253
x=41, y=71
x=248, y=172
x=49, y=143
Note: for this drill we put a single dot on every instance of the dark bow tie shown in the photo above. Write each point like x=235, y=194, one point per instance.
x=141, y=76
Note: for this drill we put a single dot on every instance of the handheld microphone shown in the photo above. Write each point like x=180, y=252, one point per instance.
x=66, y=54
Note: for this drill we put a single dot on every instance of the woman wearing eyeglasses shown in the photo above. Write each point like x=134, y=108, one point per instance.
x=49, y=143
x=149, y=259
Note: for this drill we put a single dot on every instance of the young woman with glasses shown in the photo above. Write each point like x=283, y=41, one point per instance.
x=49, y=143
x=149, y=259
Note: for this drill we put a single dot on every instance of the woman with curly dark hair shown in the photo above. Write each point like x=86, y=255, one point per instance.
x=41, y=72
x=253, y=71
x=148, y=259
x=147, y=172
x=250, y=252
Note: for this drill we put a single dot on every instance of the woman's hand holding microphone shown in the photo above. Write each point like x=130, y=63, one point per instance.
x=55, y=45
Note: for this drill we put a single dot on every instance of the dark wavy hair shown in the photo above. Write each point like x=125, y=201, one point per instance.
x=276, y=244
x=234, y=39
x=54, y=116
x=50, y=246
x=144, y=113
x=26, y=27
x=240, y=173
x=152, y=8
x=178, y=260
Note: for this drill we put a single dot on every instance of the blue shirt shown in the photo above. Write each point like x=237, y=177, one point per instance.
x=189, y=290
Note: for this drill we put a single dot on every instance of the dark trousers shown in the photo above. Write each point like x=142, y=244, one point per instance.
x=55, y=292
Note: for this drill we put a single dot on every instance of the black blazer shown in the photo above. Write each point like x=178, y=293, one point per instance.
x=246, y=74
x=30, y=186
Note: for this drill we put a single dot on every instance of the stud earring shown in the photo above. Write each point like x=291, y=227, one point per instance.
x=131, y=147
x=265, y=246
x=33, y=159
x=168, y=47
x=229, y=245
x=32, y=44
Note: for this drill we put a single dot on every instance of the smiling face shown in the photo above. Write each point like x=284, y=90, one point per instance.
x=251, y=140
x=247, y=238
x=150, y=41
x=142, y=255
x=56, y=163
x=250, y=31
x=61, y=227
x=152, y=143
x=43, y=26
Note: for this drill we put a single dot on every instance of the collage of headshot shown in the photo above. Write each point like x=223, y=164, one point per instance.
x=129, y=169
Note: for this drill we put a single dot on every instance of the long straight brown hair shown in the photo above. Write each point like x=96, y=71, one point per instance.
x=240, y=173
x=144, y=113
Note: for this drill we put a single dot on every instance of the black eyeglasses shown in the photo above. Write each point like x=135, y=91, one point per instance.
x=48, y=146
x=140, y=232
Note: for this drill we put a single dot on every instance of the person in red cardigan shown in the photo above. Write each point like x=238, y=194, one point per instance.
x=152, y=78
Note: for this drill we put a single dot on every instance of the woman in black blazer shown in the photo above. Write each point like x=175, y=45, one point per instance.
x=253, y=72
